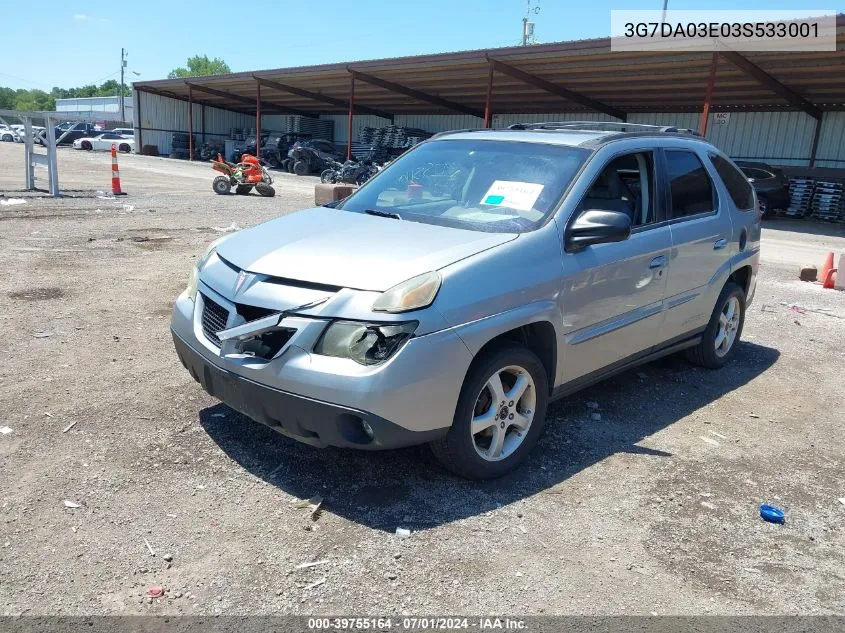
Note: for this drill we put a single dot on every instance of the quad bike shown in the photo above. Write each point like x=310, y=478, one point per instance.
x=351, y=172
x=243, y=176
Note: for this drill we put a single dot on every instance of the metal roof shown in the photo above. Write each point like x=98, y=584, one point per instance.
x=574, y=76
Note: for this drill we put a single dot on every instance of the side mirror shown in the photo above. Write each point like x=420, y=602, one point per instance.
x=596, y=226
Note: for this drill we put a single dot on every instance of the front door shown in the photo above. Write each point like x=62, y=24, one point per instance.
x=613, y=293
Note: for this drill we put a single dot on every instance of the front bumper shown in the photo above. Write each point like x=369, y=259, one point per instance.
x=409, y=399
x=310, y=421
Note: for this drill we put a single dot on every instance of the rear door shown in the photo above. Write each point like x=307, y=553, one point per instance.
x=701, y=229
x=612, y=294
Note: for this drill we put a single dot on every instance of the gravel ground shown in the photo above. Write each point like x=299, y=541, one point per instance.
x=652, y=509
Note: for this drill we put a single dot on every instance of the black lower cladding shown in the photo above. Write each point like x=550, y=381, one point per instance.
x=305, y=419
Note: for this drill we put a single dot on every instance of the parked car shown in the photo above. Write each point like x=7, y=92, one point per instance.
x=315, y=155
x=548, y=258
x=104, y=141
x=74, y=131
x=275, y=149
x=9, y=135
x=770, y=183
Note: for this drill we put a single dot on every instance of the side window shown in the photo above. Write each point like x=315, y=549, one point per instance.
x=626, y=184
x=735, y=181
x=690, y=186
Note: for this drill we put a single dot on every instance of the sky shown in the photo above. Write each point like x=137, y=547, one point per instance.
x=85, y=37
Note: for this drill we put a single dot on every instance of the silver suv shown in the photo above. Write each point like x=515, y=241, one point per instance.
x=480, y=276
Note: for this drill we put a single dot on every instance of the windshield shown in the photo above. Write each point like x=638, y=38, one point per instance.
x=499, y=186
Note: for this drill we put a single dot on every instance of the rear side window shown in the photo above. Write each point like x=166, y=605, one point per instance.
x=736, y=182
x=689, y=185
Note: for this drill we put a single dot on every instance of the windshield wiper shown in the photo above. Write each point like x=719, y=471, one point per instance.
x=383, y=214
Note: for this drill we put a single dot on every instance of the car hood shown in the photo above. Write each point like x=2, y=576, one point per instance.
x=351, y=250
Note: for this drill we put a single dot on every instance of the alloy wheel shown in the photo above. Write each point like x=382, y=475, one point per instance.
x=728, y=326
x=503, y=413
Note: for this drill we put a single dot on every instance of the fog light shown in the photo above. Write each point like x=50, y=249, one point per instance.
x=367, y=429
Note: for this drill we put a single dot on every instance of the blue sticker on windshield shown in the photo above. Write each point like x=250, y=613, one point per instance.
x=494, y=200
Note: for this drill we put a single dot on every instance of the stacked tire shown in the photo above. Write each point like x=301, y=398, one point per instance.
x=180, y=145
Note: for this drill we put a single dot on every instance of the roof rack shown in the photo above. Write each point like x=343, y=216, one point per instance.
x=603, y=126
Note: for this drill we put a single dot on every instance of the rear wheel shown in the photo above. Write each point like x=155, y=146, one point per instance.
x=221, y=185
x=243, y=190
x=265, y=190
x=300, y=168
x=327, y=176
x=720, y=339
x=8, y=138
x=500, y=414
x=124, y=147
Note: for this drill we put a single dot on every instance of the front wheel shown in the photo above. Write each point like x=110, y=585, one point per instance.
x=300, y=168
x=719, y=341
x=500, y=414
x=327, y=176
x=221, y=185
x=86, y=145
x=8, y=138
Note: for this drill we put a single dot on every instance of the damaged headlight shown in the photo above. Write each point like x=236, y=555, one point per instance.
x=365, y=343
x=193, y=280
x=417, y=292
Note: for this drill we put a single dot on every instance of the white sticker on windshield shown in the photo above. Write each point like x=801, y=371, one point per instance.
x=516, y=195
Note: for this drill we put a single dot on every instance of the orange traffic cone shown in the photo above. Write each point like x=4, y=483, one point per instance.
x=829, y=280
x=826, y=268
x=115, y=176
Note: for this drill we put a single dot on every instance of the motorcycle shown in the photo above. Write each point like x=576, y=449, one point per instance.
x=243, y=176
x=351, y=172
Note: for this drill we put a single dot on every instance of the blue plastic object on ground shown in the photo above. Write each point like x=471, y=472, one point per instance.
x=772, y=514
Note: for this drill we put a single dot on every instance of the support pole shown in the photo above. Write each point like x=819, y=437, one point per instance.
x=52, y=167
x=816, y=136
x=140, y=121
x=258, y=121
x=351, y=116
x=190, y=124
x=488, y=104
x=705, y=113
x=202, y=121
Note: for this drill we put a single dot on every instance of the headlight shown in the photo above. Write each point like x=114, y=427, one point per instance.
x=417, y=292
x=193, y=280
x=365, y=343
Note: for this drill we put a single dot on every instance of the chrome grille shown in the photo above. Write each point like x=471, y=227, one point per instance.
x=214, y=317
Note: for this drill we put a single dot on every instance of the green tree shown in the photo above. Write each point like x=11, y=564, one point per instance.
x=33, y=100
x=200, y=66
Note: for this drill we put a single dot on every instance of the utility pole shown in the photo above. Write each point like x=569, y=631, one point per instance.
x=122, y=68
x=528, y=27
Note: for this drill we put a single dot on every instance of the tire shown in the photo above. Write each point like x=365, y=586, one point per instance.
x=461, y=451
x=327, y=176
x=221, y=185
x=124, y=147
x=706, y=352
x=243, y=190
x=300, y=168
x=265, y=190
x=8, y=138
x=86, y=146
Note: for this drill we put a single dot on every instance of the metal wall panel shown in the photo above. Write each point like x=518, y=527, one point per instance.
x=831, y=150
x=168, y=115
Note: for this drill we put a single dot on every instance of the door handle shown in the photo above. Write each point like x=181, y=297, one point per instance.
x=720, y=244
x=658, y=262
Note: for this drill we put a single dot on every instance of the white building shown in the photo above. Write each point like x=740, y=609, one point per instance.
x=96, y=108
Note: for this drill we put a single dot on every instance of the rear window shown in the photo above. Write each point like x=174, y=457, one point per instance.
x=736, y=182
x=689, y=184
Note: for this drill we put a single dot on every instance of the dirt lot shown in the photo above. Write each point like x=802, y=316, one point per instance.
x=653, y=509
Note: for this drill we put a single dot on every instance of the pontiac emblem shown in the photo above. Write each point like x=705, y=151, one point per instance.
x=243, y=277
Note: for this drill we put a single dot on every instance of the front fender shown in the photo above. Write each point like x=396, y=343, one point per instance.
x=477, y=334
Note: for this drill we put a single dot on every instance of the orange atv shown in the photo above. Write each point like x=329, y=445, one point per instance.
x=243, y=176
